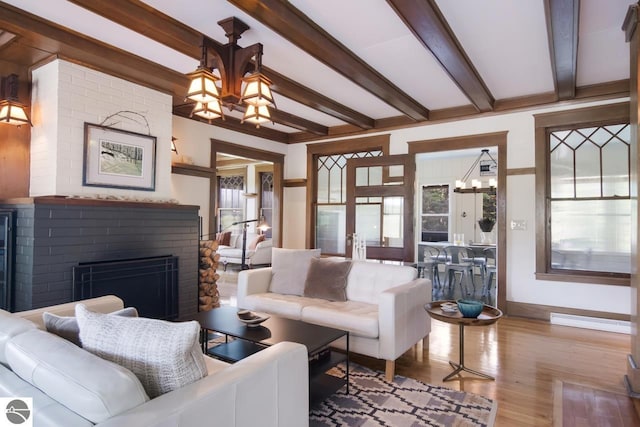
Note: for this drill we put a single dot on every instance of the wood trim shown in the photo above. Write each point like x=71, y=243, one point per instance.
x=186, y=169
x=601, y=91
x=562, y=18
x=521, y=171
x=428, y=24
x=577, y=117
x=343, y=146
x=617, y=280
x=298, y=182
x=82, y=201
x=543, y=312
x=498, y=139
x=297, y=28
x=219, y=146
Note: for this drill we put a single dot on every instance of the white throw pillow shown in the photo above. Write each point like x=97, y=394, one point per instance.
x=164, y=355
x=289, y=268
x=67, y=327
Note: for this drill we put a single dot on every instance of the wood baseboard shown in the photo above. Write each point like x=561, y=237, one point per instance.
x=543, y=312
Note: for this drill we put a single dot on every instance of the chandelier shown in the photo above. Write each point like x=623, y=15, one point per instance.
x=476, y=185
x=233, y=63
x=11, y=111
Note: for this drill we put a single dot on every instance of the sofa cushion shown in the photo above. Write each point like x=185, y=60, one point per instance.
x=367, y=280
x=254, y=243
x=67, y=327
x=92, y=387
x=224, y=238
x=289, y=268
x=289, y=306
x=164, y=355
x=327, y=279
x=358, y=318
x=46, y=411
x=10, y=326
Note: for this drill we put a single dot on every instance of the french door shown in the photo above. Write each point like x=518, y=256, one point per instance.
x=380, y=206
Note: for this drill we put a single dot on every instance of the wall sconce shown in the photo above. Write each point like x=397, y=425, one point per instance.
x=12, y=111
x=233, y=62
x=476, y=184
x=173, y=144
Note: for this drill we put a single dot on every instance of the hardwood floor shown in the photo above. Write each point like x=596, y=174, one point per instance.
x=527, y=357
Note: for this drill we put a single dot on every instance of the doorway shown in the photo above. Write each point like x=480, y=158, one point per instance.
x=498, y=140
x=225, y=155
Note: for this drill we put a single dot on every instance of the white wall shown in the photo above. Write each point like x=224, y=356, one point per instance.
x=194, y=143
x=65, y=97
x=521, y=282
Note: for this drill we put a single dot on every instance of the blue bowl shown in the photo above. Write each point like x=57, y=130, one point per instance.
x=470, y=308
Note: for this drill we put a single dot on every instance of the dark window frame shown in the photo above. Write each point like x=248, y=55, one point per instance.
x=578, y=118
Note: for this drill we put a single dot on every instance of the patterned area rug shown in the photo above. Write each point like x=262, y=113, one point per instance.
x=373, y=401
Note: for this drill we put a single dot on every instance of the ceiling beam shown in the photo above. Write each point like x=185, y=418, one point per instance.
x=297, y=28
x=45, y=36
x=144, y=19
x=562, y=29
x=317, y=101
x=184, y=110
x=428, y=24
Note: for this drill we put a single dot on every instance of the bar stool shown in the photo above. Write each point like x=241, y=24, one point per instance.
x=459, y=260
x=490, y=266
x=432, y=260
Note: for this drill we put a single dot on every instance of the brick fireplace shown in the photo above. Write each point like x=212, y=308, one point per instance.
x=55, y=234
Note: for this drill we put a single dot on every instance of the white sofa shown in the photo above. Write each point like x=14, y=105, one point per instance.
x=384, y=311
x=232, y=254
x=269, y=388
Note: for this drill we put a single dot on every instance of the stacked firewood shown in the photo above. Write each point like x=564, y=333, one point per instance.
x=208, y=295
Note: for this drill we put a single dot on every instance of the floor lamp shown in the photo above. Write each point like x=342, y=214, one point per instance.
x=263, y=226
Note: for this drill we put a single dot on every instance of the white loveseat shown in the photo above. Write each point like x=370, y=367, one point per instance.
x=269, y=388
x=232, y=253
x=383, y=312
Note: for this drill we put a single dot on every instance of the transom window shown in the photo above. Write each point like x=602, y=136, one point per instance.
x=588, y=206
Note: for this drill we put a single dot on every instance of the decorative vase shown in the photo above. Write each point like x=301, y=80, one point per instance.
x=486, y=237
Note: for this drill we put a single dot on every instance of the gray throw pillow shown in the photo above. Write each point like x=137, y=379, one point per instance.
x=67, y=326
x=327, y=279
x=289, y=268
x=164, y=355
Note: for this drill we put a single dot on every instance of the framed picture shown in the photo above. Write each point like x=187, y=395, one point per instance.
x=117, y=158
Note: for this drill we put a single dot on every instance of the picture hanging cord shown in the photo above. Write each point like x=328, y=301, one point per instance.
x=121, y=114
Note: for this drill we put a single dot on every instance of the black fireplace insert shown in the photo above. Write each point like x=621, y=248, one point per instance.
x=148, y=284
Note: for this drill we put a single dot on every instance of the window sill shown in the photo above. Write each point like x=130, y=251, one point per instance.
x=585, y=278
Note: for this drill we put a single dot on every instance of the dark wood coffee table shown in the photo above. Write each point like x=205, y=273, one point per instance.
x=250, y=340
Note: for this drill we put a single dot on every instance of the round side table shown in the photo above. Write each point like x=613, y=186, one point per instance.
x=488, y=316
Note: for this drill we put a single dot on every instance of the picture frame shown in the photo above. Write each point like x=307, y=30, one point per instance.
x=115, y=158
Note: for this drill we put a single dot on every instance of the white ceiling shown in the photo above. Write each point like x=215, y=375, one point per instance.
x=506, y=41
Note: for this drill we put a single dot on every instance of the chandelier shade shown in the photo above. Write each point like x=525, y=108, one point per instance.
x=203, y=87
x=256, y=115
x=257, y=91
x=208, y=111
